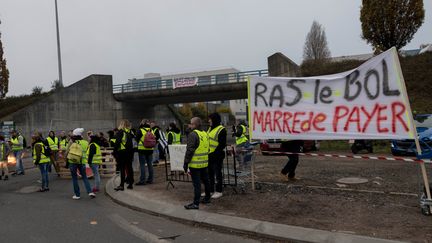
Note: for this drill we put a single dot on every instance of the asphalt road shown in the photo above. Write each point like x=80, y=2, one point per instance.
x=30, y=216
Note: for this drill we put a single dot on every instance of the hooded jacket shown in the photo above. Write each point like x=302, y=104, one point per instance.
x=216, y=121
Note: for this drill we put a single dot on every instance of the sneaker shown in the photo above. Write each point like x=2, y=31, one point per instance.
x=6, y=178
x=149, y=182
x=216, y=195
x=140, y=183
x=191, y=206
x=41, y=190
x=130, y=186
x=293, y=178
x=203, y=194
x=75, y=197
x=92, y=195
x=119, y=188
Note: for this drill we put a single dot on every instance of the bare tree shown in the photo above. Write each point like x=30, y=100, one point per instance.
x=315, y=47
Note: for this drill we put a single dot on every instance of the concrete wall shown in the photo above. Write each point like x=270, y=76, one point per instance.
x=88, y=103
x=281, y=66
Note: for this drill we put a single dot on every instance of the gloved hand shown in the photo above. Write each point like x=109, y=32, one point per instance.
x=185, y=167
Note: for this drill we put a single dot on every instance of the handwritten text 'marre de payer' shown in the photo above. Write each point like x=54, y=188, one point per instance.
x=360, y=117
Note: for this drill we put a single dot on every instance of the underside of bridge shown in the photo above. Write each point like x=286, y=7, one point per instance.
x=230, y=91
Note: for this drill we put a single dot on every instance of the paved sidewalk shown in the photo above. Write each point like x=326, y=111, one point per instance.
x=146, y=200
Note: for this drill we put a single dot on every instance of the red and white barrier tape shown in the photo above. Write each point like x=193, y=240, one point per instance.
x=428, y=161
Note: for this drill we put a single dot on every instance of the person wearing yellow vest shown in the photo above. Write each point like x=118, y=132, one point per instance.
x=78, y=164
x=54, y=143
x=41, y=160
x=94, y=159
x=145, y=154
x=242, y=142
x=17, y=147
x=4, y=152
x=217, y=138
x=63, y=141
x=196, y=160
x=124, y=154
x=174, y=134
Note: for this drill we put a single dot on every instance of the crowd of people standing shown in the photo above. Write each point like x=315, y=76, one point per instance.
x=205, y=153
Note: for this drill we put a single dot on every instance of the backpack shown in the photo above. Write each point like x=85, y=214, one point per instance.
x=149, y=140
x=75, y=153
x=47, y=148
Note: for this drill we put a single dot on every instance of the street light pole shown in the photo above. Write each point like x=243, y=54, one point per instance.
x=58, y=47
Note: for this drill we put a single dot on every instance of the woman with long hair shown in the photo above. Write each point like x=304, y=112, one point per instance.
x=123, y=150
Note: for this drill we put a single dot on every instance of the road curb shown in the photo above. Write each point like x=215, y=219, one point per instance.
x=137, y=201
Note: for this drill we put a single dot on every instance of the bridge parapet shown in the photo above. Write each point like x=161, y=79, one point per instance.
x=166, y=84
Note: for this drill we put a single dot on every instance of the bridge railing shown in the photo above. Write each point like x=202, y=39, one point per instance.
x=148, y=85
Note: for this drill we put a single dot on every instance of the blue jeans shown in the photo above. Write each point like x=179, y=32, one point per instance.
x=146, y=159
x=19, y=163
x=73, y=169
x=44, y=173
x=95, y=169
x=155, y=154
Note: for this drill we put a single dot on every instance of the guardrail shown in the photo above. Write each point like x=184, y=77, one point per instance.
x=148, y=85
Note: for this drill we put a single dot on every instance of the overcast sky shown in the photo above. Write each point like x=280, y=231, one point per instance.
x=127, y=38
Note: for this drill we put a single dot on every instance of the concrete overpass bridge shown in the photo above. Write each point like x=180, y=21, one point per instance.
x=94, y=103
x=229, y=86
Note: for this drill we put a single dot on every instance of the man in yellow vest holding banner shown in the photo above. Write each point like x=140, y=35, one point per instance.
x=196, y=160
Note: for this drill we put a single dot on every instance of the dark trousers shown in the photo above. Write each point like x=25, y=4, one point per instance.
x=291, y=165
x=125, y=166
x=198, y=176
x=215, y=171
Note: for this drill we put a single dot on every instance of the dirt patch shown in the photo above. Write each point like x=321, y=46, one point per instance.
x=385, y=207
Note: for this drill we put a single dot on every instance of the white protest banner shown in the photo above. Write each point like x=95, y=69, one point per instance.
x=184, y=82
x=369, y=102
x=177, y=153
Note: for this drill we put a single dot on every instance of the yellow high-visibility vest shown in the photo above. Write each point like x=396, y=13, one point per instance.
x=16, y=146
x=144, y=131
x=43, y=157
x=97, y=157
x=53, y=144
x=176, y=137
x=213, y=137
x=200, y=157
x=242, y=138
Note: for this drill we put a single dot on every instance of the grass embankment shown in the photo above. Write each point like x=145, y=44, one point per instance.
x=12, y=104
